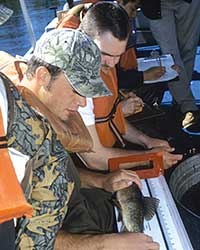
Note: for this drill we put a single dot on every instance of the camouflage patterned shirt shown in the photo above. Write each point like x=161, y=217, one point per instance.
x=53, y=175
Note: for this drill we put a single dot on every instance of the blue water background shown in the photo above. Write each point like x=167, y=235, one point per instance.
x=14, y=36
x=15, y=39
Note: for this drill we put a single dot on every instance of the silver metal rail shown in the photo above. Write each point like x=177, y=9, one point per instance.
x=28, y=23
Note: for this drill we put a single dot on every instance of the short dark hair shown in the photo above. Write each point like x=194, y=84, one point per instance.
x=35, y=62
x=106, y=17
x=138, y=2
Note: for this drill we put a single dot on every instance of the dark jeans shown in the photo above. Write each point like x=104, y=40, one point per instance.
x=7, y=236
x=92, y=212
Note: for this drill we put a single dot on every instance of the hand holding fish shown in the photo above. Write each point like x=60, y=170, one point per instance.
x=134, y=207
x=120, y=179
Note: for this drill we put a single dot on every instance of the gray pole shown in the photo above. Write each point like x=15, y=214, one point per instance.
x=28, y=23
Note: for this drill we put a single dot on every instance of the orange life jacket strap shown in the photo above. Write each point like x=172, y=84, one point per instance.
x=109, y=118
x=12, y=200
x=3, y=142
x=111, y=115
x=116, y=133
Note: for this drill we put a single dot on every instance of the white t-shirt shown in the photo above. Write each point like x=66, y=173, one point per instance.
x=87, y=113
x=18, y=159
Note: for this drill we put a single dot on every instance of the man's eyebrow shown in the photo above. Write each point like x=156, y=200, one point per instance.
x=107, y=54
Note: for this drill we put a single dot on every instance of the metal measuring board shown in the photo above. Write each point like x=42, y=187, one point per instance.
x=166, y=227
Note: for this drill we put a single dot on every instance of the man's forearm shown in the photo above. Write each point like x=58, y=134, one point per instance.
x=98, y=158
x=136, y=136
x=99, y=161
x=90, y=179
x=66, y=241
x=118, y=241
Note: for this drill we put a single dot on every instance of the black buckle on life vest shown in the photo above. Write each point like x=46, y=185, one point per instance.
x=112, y=126
x=3, y=142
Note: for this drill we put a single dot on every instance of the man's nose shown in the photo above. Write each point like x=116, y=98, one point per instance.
x=81, y=101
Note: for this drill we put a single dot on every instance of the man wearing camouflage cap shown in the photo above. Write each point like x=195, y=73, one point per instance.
x=77, y=56
x=30, y=135
x=63, y=70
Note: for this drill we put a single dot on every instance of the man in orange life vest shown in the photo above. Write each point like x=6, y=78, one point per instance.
x=72, y=19
x=108, y=25
x=128, y=75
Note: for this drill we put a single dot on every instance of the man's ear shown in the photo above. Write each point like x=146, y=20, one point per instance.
x=42, y=76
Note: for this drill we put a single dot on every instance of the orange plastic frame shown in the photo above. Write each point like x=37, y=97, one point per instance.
x=156, y=169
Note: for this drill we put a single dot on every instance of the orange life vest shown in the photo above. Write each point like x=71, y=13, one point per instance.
x=13, y=203
x=105, y=114
x=128, y=59
x=69, y=21
x=106, y=123
x=72, y=18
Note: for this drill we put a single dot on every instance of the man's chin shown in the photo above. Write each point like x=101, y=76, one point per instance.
x=66, y=118
x=67, y=115
x=105, y=68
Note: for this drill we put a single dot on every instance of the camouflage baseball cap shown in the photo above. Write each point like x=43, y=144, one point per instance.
x=5, y=14
x=79, y=58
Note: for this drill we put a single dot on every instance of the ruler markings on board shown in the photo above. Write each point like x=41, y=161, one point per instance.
x=172, y=224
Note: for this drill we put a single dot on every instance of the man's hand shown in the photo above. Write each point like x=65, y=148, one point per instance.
x=132, y=104
x=171, y=159
x=162, y=145
x=158, y=143
x=133, y=241
x=176, y=68
x=120, y=179
x=153, y=73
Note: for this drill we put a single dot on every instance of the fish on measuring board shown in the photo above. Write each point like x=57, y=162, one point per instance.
x=135, y=208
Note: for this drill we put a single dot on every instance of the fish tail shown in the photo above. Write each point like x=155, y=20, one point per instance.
x=150, y=206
